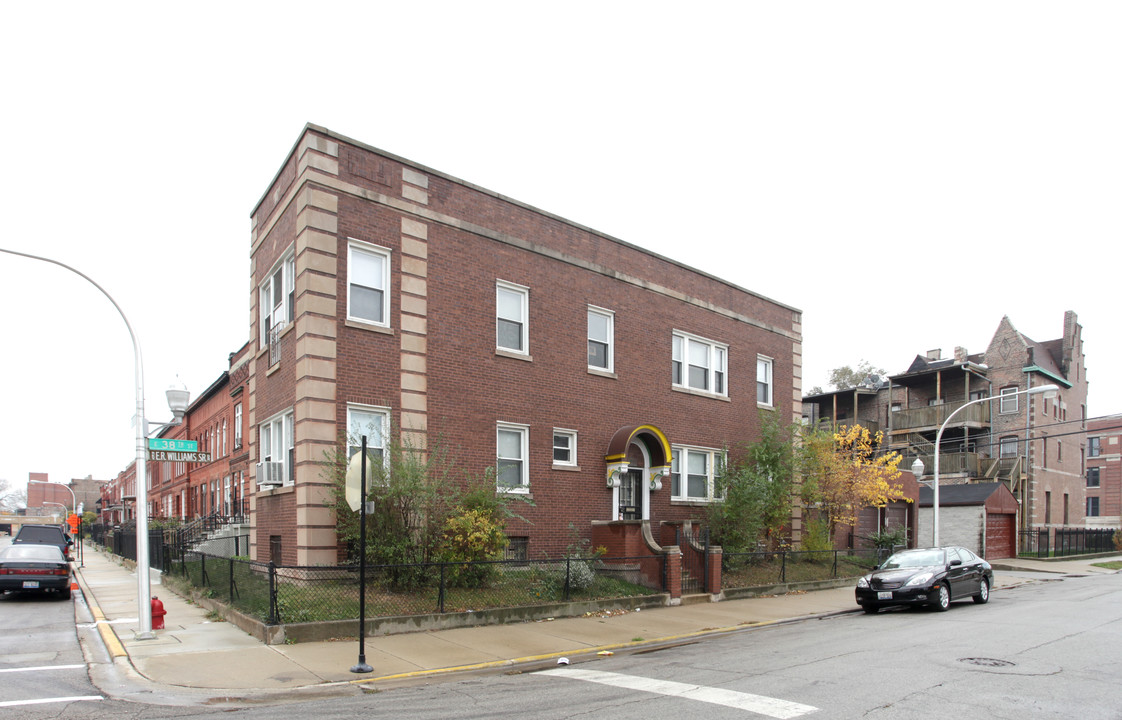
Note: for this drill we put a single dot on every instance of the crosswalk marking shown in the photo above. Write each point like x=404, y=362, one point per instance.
x=41, y=668
x=41, y=701
x=772, y=707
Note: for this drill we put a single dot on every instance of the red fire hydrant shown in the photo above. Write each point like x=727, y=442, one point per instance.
x=158, y=613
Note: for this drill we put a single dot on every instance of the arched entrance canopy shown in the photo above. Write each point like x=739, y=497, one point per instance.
x=654, y=439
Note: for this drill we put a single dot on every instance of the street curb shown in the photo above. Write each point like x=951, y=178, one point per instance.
x=113, y=644
x=581, y=652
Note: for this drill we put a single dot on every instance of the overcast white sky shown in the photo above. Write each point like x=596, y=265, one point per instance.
x=904, y=173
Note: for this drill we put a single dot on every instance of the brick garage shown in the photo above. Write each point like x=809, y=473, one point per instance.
x=981, y=517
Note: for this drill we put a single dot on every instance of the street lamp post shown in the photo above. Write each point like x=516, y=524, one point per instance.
x=1049, y=391
x=143, y=576
x=48, y=502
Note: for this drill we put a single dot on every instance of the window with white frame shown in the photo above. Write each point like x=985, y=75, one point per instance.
x=512, y=444
x=699, y=364
x=278, y=297
x=695, y=474
x=512, y=312
x=368, y=281
x=238, y=426
x=564, y=447
x=601, y=342
x=1009, y=400
x=374, y=423
x=277, y=435
x=764, y=394
x=1007, y=447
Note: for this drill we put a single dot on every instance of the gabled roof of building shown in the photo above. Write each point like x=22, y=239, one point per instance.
x=1047, y=356
x=970, y=494
x=921, y=368
x=922, y=364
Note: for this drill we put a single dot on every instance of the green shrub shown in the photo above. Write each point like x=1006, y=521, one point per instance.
x=816, y=535
x=472, y=536
x=581, y=574
x=888, y=538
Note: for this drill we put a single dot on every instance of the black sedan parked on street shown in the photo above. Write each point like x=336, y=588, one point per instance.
x=34, y=568
x=931, y=576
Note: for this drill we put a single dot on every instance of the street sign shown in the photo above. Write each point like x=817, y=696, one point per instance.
x=354, y=480
x=172, y=456
x=173, y=445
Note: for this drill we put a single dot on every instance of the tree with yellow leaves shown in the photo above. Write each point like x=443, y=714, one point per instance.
x=844, y=471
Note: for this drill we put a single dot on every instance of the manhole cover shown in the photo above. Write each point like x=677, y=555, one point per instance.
x=986, y=662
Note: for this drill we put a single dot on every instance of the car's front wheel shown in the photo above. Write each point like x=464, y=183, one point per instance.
x=942, y=599
x=983, y=595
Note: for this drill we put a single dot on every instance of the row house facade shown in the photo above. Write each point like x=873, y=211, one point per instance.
x=1104, y=472
x=185, y=491
x=601, y=381
x=1036, y=446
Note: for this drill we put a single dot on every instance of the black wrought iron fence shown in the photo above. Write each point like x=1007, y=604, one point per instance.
x=754, y=569
x=1062, y=542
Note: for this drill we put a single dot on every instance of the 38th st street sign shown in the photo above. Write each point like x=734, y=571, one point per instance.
x=168, y=450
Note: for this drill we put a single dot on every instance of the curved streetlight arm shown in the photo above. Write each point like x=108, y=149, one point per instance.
x=144, y=589
x=1049, y=390
x=73, y=497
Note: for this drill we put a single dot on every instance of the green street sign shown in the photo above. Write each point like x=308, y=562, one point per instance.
x=173, y=445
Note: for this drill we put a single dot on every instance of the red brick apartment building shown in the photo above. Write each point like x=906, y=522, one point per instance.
x=599, y=379
x=1035, y=446
x=1104, y=472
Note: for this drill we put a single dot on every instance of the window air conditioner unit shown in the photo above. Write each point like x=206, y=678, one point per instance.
x=270, y=474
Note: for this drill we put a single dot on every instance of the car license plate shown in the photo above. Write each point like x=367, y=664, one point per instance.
x=30, y=584
x=884, y=595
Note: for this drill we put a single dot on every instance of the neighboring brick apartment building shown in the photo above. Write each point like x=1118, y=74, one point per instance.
x=1033, y=445
x=40, y=491
x=390, y=297
x=1104, y=471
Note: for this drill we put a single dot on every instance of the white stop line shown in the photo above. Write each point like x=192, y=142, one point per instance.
x=759, y=704
x=43, y=701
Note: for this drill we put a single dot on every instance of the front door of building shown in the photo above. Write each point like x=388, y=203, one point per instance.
x=631, y=495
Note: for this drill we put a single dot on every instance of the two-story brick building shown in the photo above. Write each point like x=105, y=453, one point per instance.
x=1032, y=444
x=600, y=379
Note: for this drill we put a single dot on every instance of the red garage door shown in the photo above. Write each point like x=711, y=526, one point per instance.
x=1000, y=538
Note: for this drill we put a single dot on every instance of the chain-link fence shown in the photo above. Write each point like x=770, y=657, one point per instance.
x=279, y=594
x=754, y=569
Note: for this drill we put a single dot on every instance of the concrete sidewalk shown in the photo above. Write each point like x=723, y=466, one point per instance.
x=198, y=650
